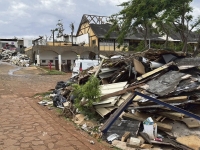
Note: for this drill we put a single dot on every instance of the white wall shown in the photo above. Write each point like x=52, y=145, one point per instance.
x=83, y=38
x=48, y=55
x=69, y=56
x=69, y=39
x=28, y=42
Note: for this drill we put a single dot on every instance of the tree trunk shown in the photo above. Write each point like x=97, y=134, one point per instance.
x=184, y=49
x=145, y=42
x=72, y=37
x=166, y=42
x=145, y=36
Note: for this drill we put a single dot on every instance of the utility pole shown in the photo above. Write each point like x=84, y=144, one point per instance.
x=53, y=30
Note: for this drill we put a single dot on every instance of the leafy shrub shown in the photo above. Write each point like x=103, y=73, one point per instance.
x=90, y=92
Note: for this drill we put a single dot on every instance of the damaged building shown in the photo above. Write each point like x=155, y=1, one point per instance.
x=88, y=43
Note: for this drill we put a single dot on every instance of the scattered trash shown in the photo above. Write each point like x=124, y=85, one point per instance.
x=112, y=137
x=92, y=142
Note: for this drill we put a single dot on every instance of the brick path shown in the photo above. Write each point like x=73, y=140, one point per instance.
x=25, y=125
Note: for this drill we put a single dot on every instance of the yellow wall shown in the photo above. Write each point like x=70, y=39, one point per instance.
x=110, y=48
x=85, y=28
x=28, y=48
x=59, y=44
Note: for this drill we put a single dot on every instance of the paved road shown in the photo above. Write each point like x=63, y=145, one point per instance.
x=26, y=125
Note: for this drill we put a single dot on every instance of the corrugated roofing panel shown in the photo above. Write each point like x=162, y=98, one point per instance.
x=111, y=88
x=104, y=111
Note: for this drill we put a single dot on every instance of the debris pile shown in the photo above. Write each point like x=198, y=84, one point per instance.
x=6, y=55
x=15, y=58
x=148, y=99
x=20, y=60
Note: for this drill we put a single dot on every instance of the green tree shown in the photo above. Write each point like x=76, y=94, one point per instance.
x=135, y=17
x=139, y=15
x=178, y=13
x=72, y=30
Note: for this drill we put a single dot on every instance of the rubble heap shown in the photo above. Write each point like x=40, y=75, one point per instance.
x=15, y=58
x=148, y=99
x=20, y=60
x=6, y=55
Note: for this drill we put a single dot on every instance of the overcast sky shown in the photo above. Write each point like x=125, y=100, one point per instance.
x=31, y=18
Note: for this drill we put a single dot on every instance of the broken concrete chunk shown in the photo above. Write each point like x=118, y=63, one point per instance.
x=133, y=142
x=121, y=145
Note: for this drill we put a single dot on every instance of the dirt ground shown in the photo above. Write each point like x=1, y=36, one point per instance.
x=27, y=125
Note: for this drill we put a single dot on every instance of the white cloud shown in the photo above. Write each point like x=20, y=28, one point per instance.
x=38, y=17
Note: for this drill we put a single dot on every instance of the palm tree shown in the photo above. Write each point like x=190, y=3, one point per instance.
x=72, y=28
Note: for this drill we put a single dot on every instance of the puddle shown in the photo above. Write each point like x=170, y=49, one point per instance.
x=13, y=70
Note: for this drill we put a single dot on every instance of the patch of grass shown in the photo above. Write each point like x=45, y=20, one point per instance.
x=55, y=72
x=59, y=111
x=52, y=71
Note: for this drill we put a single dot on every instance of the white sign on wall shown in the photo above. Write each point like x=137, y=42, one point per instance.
x=83, y=38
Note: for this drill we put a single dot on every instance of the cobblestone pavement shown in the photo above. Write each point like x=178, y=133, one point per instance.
x=26, y=125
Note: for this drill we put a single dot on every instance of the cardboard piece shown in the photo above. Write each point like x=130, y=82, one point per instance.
x=139, y=67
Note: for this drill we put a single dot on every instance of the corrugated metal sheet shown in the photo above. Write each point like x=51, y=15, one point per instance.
x=105, y=107
x=111, y=88
x=104, y=75
x=109, y=69
x=104, y=111
x=106, y=103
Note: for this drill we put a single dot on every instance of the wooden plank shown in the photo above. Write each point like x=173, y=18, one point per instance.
x=172, y=115
x=191, y=122
x=177, y=99
x=120, y=92
x=163, y=119
x=125, y=136
x=146, y=146
x=154, y=71
x=100, y=65
x=160, y=117
x=161, y=126
x=191, y=141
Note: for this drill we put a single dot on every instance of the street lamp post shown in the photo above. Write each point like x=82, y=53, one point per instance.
x=53, y=30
